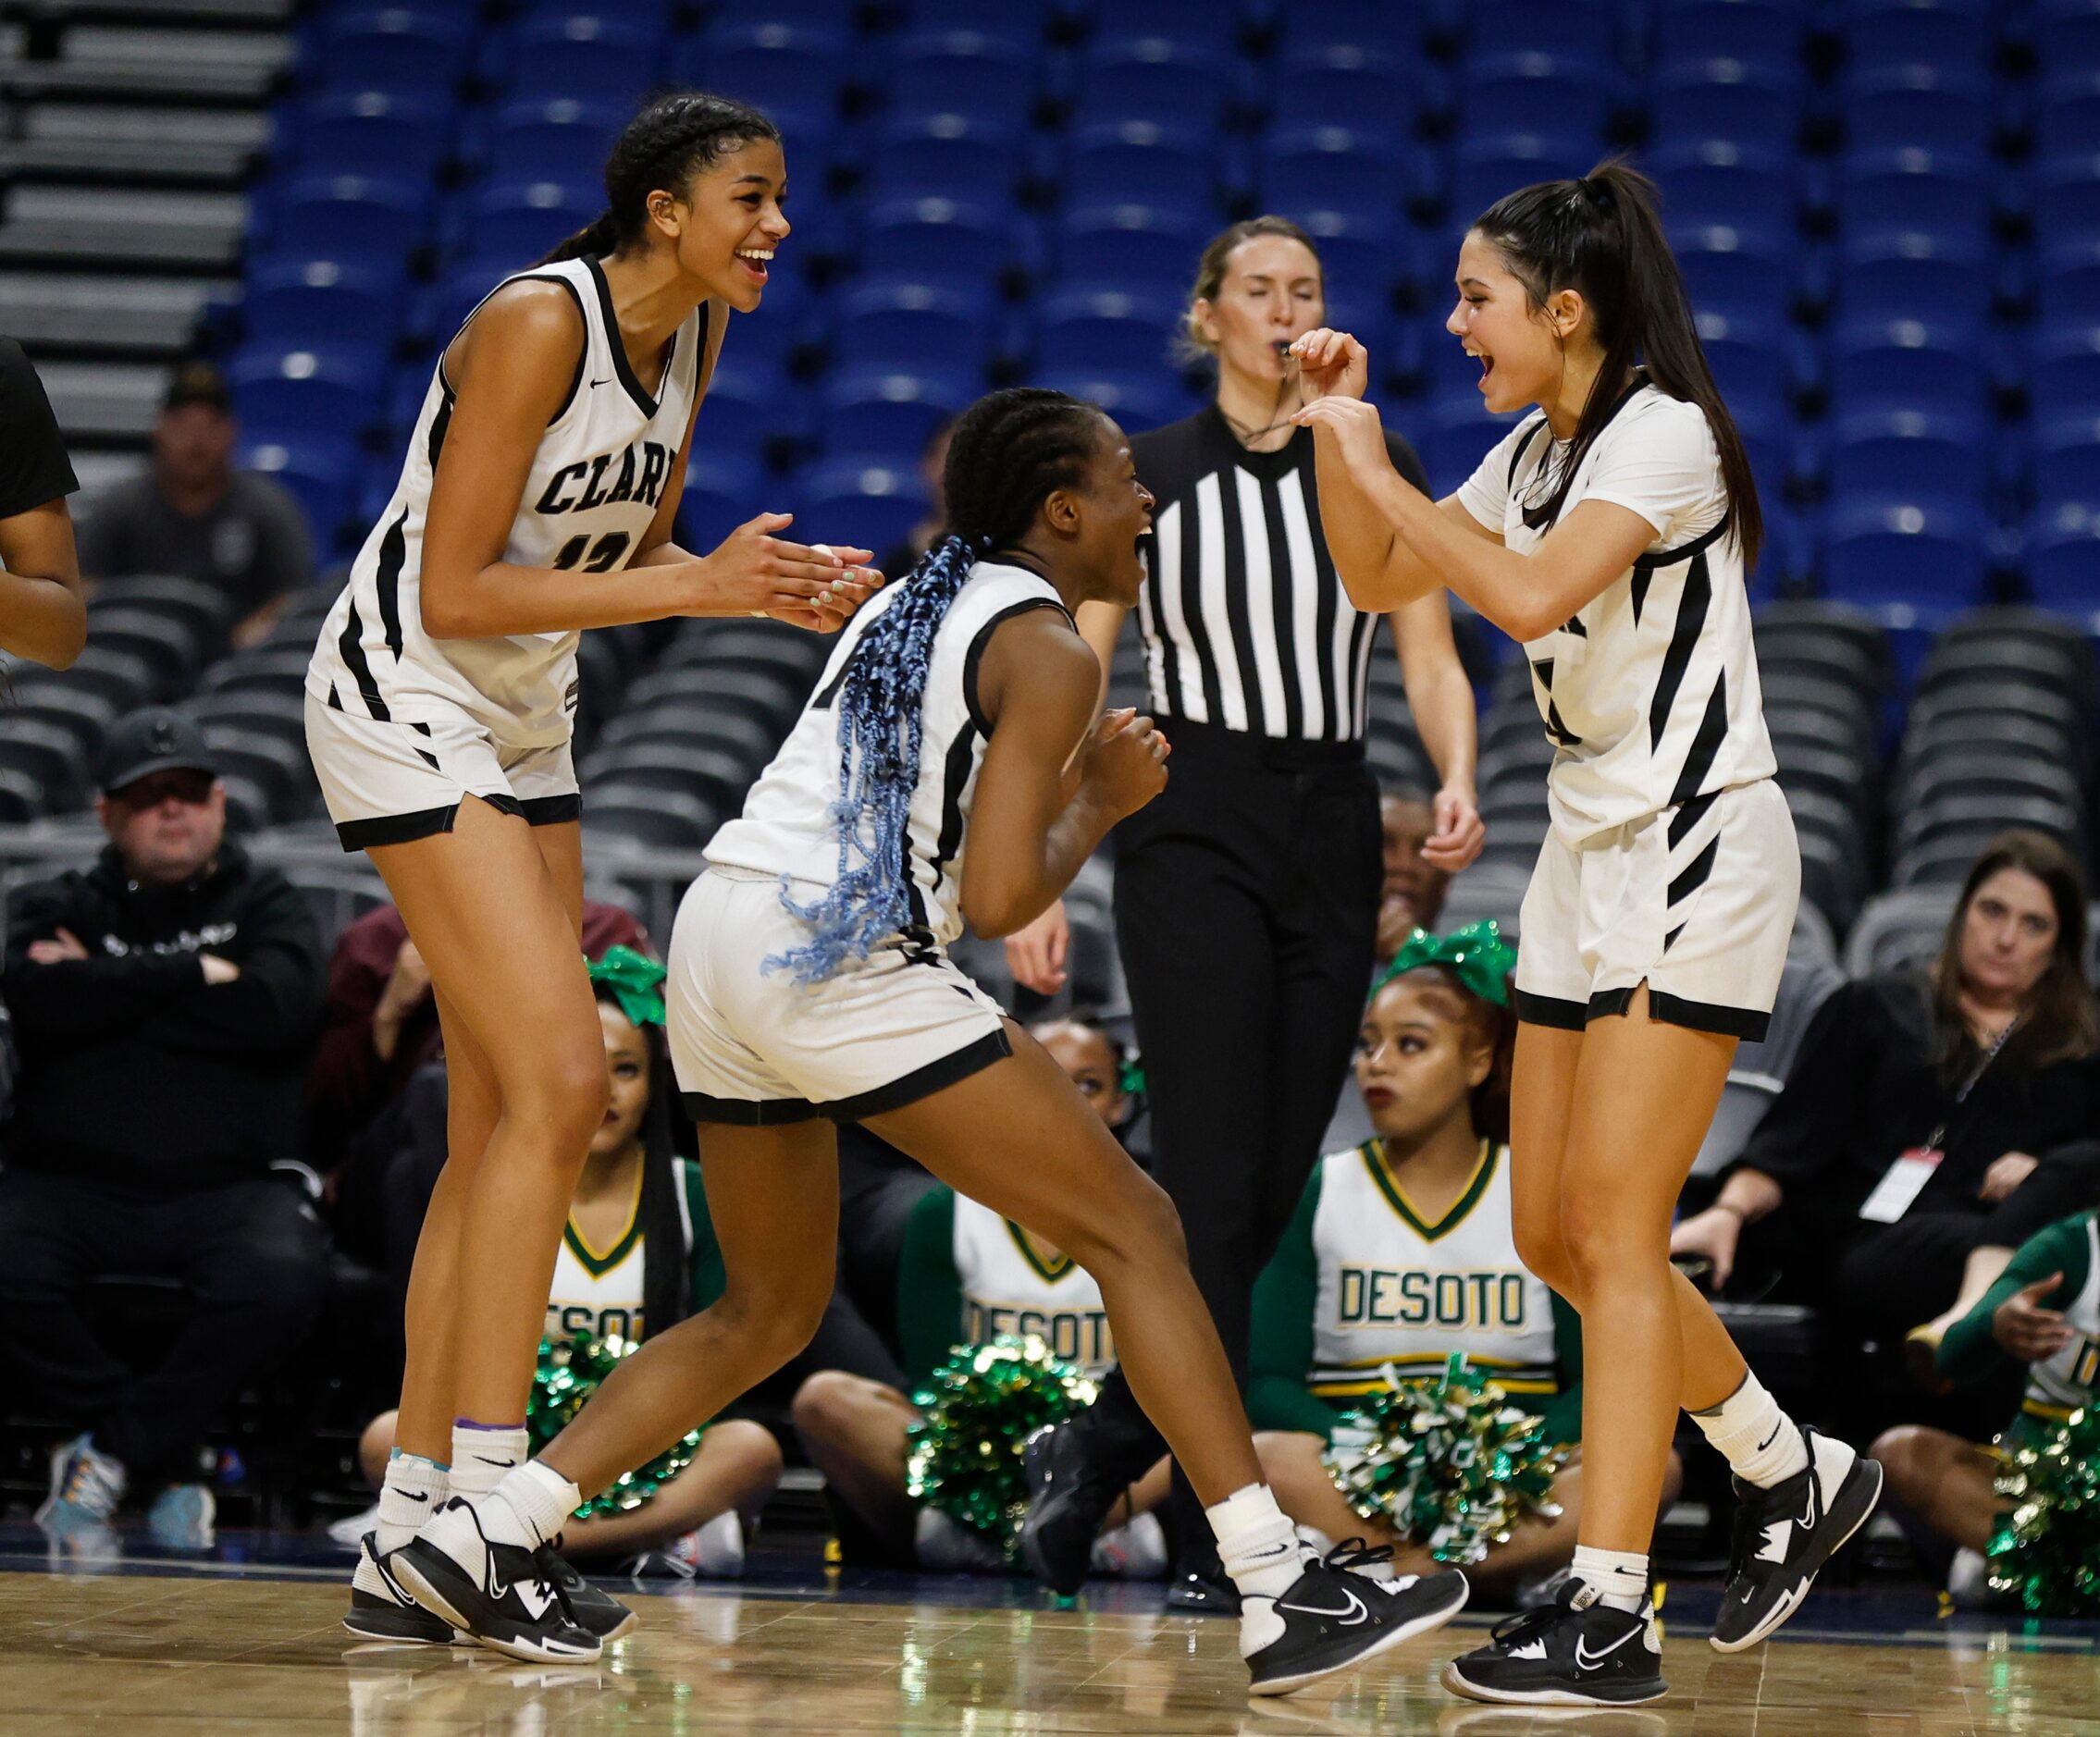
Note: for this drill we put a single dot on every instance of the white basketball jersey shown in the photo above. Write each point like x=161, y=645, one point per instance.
x=1008, y=1288
x=787, y=826
x=591, y=494
x=2065, y=1380
x=1396, y=1289
x=598, y=1294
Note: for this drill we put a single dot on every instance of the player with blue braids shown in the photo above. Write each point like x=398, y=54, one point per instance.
x=950, y=768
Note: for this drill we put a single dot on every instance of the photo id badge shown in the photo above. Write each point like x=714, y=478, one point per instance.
x=1900, y=1185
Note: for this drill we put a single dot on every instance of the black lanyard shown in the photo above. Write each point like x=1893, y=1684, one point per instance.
x=1962, y=1092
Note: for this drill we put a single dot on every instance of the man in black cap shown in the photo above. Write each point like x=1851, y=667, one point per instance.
x=165, y=1001
x=192, y=514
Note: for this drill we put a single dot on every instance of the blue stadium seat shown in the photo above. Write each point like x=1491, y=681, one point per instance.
x=2066, y=33
x=653, y=15
x=555, y=138
x=2067, y=119
x=405, y=393
x=748, y=404
x=1365, y=258
x=520, y=220
x=1758, y=32
x=772, y=65
x=1200, y=21
x=837, y=18
x=1910, y=272
x=1920, y=33
x=2066, y=456
x=908, y=324
x=1138, y=400
x=1333, y=84
x=1492, y=167
x=724, y=489
x=1736, y=266
x=2066, y=194
x=1717, y=180
x=329, y=390
x=350, y=216
x=872, y=501
x=1552, y=26
x=2070, y=287
x=320, y=470
x=1941, y=451
x=893, y=411
x=964, y=72
x=1335, y=168
x=1915, y=187
x=1542, y=93
x=436, y=314
x=1947, y=107
x=2063, y=368
x=1145, y=246
x=1102, y=327
x=1925, y=553
x=601, y=56
x=324, y=302
x=1875, y=359
x=1165, y=165
x=1378, y=24
x=391, y=48
x=1749, y=351
x=1711, y=97
x=1185, y=82
x=949, y=156
x=2063, y=556
x=1023, y=22
x=936, y=240
x=372, y=132
x=1459, y=434
x=1767, y=431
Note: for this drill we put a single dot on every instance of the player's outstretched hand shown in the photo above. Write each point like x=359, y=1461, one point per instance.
x=1126, y=761
x=1036, y=954
x=1331, y=365
x=756, y=573
x=1460, y=831
x=1356, y=428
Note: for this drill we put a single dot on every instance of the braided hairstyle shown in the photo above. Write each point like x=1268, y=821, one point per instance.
x=674, y=136
x=1010, y=451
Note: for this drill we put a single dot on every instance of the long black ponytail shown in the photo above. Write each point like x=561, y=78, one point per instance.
x=674, y=136
x=1602, y=236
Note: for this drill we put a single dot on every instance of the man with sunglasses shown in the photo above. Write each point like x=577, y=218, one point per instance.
x=165, y=1001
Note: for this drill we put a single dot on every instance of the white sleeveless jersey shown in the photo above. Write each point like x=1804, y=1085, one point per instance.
x=591, y=494
x=1395, y=1288
x=1007, y=1287
x=598, y=1294
x=2065, y=1380
x=786, y=827
x=1649, y=691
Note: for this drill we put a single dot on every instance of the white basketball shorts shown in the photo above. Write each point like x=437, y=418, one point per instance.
x=1697, y=902
x=388, y=783
x=752, y=1046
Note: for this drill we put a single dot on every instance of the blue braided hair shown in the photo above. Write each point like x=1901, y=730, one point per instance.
x=1010, y=451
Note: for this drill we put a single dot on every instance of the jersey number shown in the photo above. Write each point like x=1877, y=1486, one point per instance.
x=604, y=553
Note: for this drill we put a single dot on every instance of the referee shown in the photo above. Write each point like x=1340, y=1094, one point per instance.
x=1247, y=893
x=43, y=617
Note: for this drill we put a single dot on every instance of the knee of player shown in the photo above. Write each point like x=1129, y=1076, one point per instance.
x=1136, y=1223
x=1543, y=1251
x=780, y=1314
x=567, y=1090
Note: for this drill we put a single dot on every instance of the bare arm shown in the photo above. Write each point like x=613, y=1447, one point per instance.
x=1101, y=626
x=42, y=614
x=1446, y=720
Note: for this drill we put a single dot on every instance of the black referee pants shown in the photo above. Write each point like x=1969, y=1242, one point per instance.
x=1246, y=911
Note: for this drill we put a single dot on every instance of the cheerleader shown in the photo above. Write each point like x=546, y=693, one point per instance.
x=536, y=499
x=1609, y=533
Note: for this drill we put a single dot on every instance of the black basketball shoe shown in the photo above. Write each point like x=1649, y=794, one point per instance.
x=1200, y=1593
x=381, y=1610
x=1068, y=1499
x=1786, y=1534
x=1333, y=1619
x=497, y=1593
x=592, y=1610
x=1577, y=1651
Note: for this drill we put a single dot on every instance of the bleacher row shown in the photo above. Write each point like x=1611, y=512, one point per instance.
x=1888, y=210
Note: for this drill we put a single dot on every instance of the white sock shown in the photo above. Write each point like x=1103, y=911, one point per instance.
x=529, y=1506
x=1761, y=1443
x=414, y=1486
x=1256, y=1542
x=482, y=1453
x=1619, y=1576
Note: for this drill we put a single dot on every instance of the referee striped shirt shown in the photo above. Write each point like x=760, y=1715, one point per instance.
x=1245, y=622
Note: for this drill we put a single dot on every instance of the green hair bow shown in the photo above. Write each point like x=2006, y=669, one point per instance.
x=1476, y=955
x=635, y=981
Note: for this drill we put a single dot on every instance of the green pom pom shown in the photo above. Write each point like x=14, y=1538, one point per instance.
x=569, y=1373
x=980, y=1407
x=1448, y=1463
x=2046, y=1549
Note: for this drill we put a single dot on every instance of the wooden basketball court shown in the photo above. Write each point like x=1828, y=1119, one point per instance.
x=227, y=1646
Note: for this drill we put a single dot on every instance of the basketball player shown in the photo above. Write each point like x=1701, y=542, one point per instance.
x=925, y=783
x=1609, y=532
x=536, y=499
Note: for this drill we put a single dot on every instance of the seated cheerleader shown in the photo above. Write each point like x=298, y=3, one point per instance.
x=1402, y=1252
x=638, y=1254
x=965, y=1277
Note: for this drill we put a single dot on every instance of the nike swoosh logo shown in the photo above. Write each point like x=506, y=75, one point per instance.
x=1771, y=1439
x=414, y=1496
x=1353, y=1612
x=502, y=1465
x=601, y=382
x=1588, y=1660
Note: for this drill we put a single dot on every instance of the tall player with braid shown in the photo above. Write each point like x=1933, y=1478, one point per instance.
x=536, y=499
x=1609, y=533
x=925, y=783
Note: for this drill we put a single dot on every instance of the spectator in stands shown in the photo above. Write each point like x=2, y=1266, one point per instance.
x=1930, y=1127
x=2042, y=1314
x=165, y=1000
x=638, y=1253
x=1414, y=887
x=41, y=615
x=192, y=514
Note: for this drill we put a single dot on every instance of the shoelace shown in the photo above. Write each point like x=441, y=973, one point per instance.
x=1358, y=1553
x=557, y=1576
x=1526, y=1625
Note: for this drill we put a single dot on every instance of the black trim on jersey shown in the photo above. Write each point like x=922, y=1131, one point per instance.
x=1556, y=726
x=1689, y=813
x=962, y=762
x=974, y=1057
x=1694, y=874
x=644, y=399
x=397, y=829
x=1684, y=552
x=351, y=644
x=552, y=810
x=748, y=1112
x=575, y=381
x=1691, y=621
x=982, y=643
x=443, y=419
x=1706, y=744
x=1637, y=590
x=393, y=556
x=1544, y=517
x=1549, y=1010
x=335, y=699
x=1673, y=1010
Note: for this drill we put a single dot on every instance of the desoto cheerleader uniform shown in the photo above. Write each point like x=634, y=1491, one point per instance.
x=401, y=726
x=1672, y=858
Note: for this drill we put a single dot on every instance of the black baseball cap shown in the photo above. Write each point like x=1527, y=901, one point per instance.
x=157, y=739
x=197, y=383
